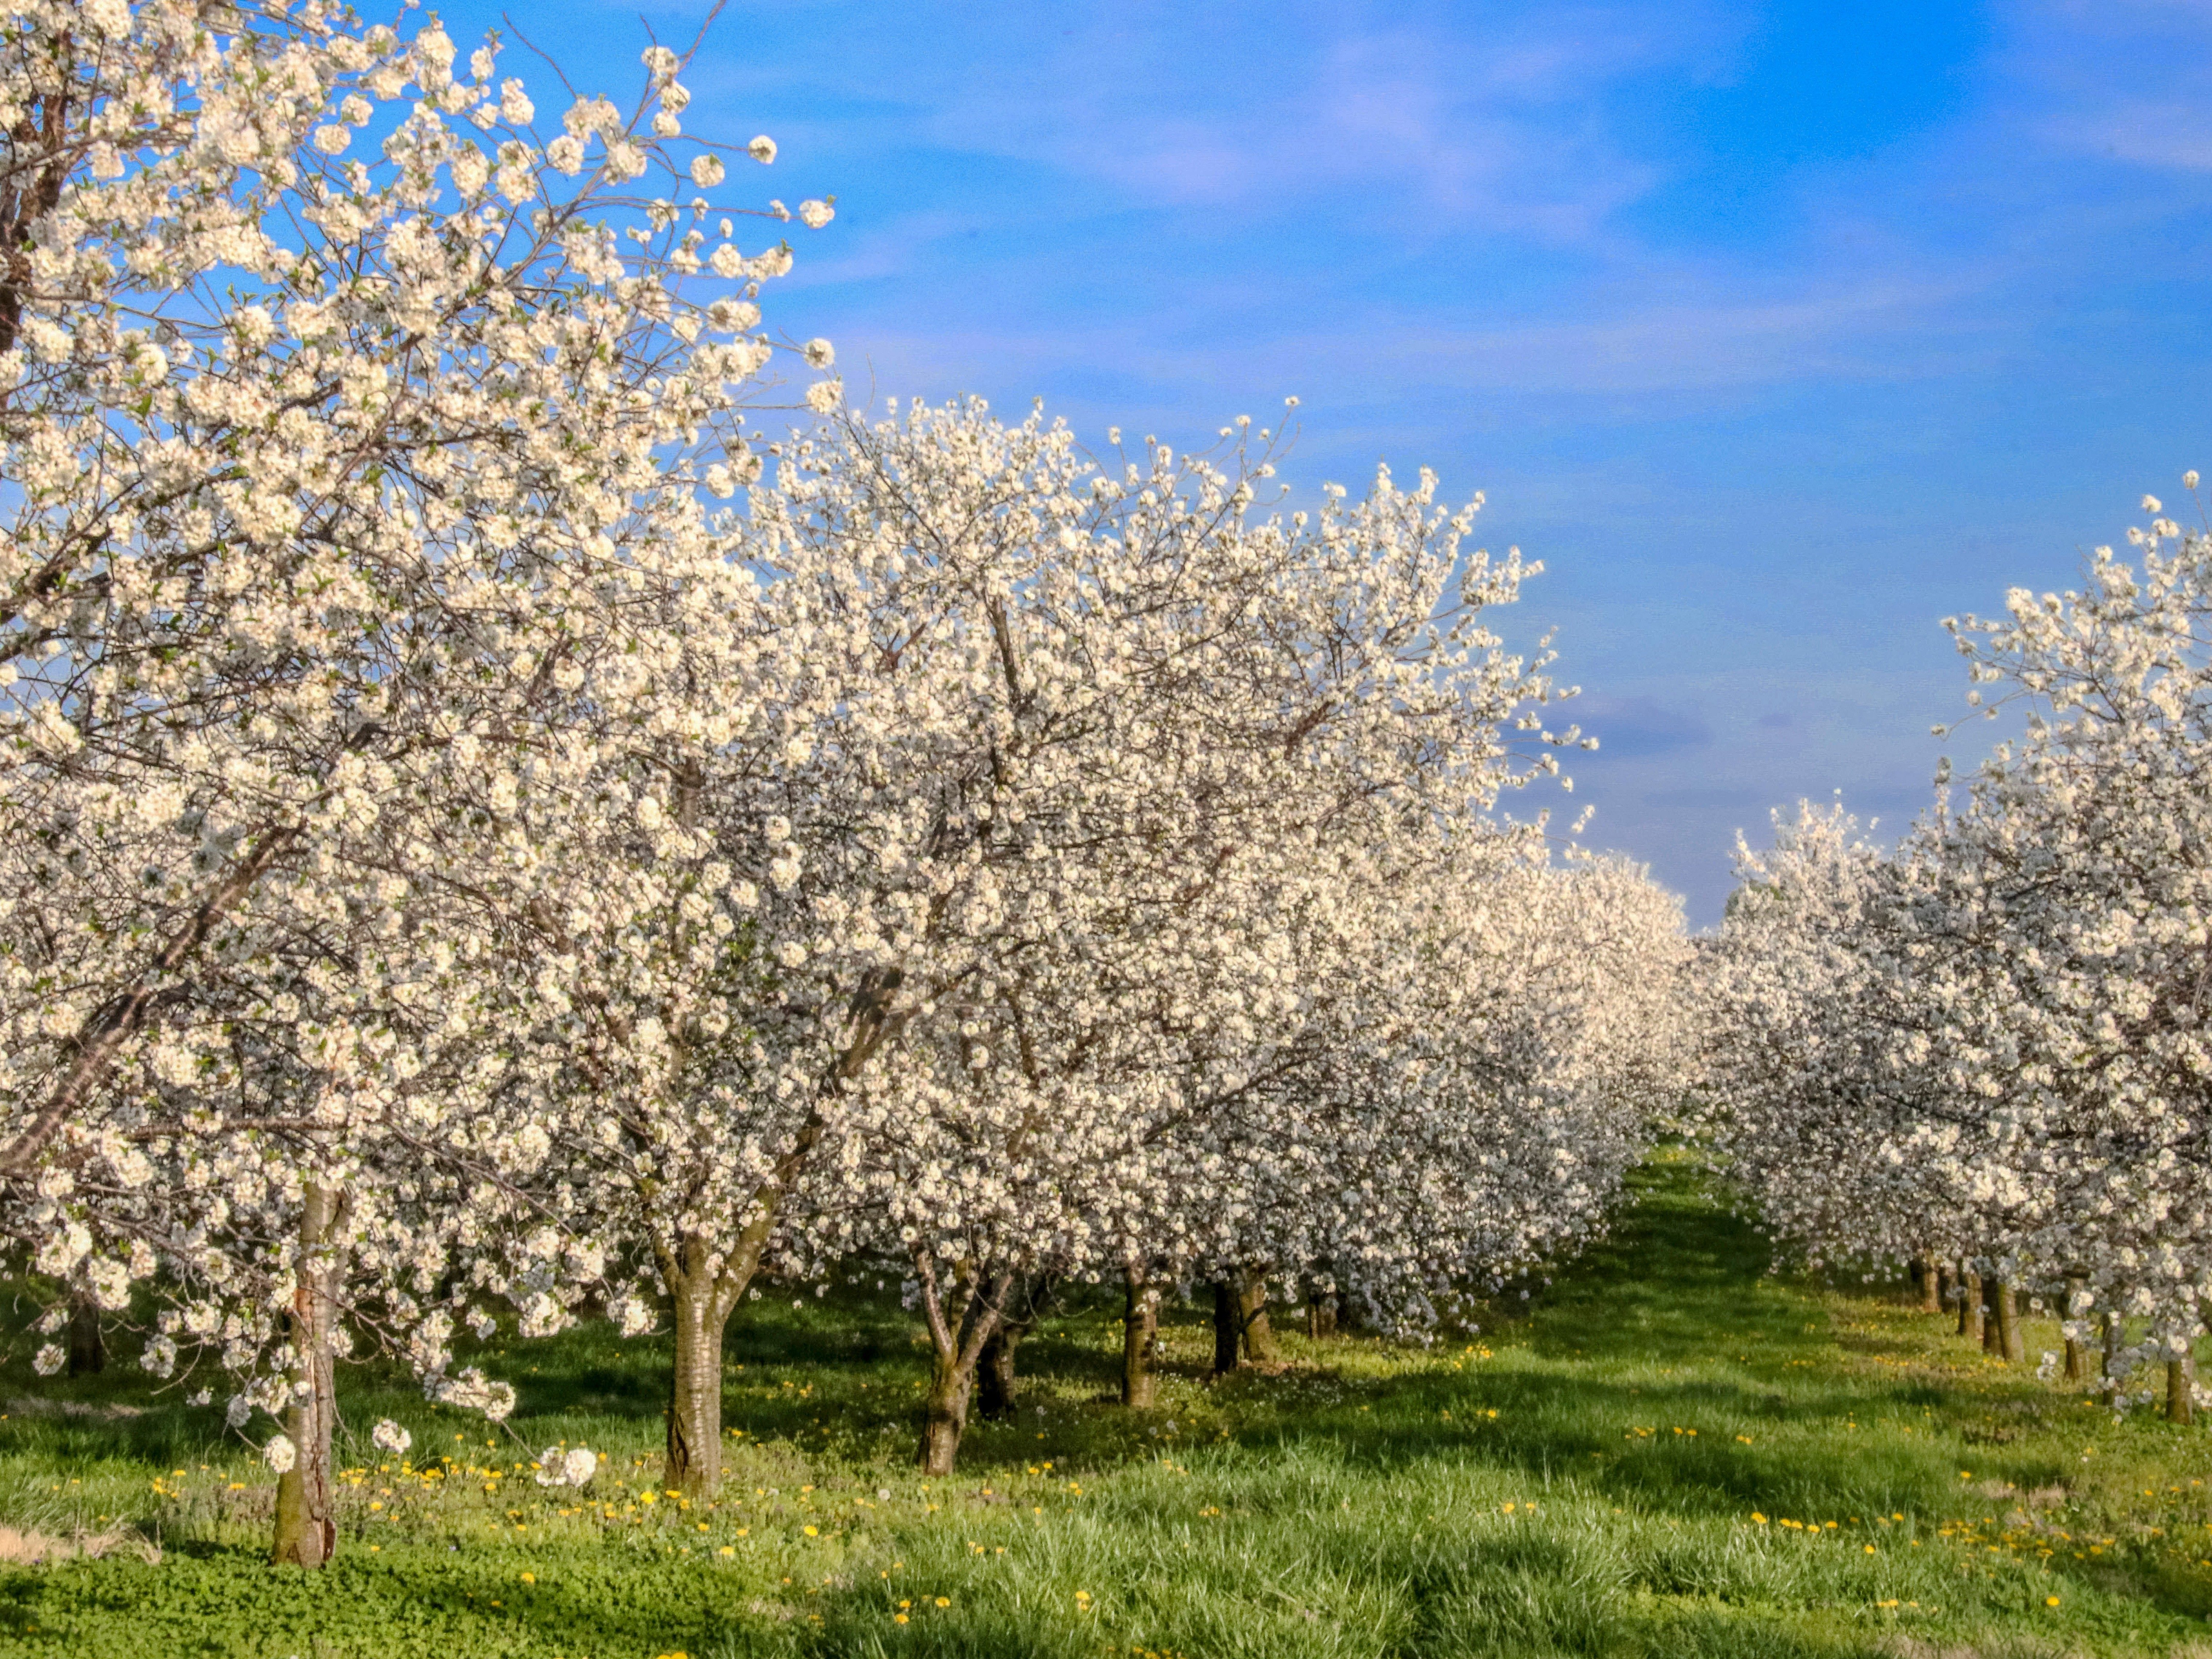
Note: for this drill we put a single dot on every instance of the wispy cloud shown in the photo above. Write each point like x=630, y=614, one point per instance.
x=1638, y=728
x=1418, y=121
x=1767, y=403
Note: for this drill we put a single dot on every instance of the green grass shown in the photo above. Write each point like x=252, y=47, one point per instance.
x=1674, y=1453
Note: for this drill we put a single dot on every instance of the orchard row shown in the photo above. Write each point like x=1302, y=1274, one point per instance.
x=492, y=839
x=1986, y=1051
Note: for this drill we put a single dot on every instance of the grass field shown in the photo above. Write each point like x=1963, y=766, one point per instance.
x=1672, y=1454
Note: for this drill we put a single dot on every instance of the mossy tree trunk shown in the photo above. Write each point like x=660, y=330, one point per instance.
x=702, y=1293
x=963, y=1316
x=1252, y=1307
x=1969, y=1305
x=306, y=1501
x=1141, y=1338
x=2011, y=1342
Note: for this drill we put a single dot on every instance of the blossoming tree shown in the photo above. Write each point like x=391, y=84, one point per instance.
x=349, y=496
x=1989, y=1046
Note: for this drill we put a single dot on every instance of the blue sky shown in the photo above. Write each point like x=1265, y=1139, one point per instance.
x=1777, y=330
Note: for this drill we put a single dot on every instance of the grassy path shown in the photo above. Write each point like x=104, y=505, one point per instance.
x=1672, y=1454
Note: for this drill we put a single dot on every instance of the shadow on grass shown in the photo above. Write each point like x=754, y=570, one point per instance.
x=1365, y=1502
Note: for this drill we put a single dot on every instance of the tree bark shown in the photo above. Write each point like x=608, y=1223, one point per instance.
x=960, y=1328
x=88, y=1354
x=2180, y=1391
x=1028, y=1297
x=693, y=1455
x=1922, y=1270
x=693, y=1462
x=945, y=1418
x=1946, y=1284
x=1140, y=1337
x=2077, y=1356
x=2108, y=1362
x=994, y=1375
x=1970, y=1306
x=1321, y=1316
x=704, y=1295
x=307, y=1505
x=2011, y=1340
x=1252, y=1310
x=1228, y=1328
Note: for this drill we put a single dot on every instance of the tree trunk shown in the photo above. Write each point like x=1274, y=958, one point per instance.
x=1970, y=1306
x=1252, y=1309
x=2077, y=1356
x=2108, y=1362
x=1921, y=1271
x=944, y=1417
x=705, y=1295
x=995, y=1375
x=958, y=1335
x=1140, y=1337
x=693, y=1463
x=88, y=1354
x=306, y=1507
x=1947, y=1285
x=1352, y=1314
x=1320, y=1316
x=2180, y=1391
x=1228, y=1328
x=2011, y=1340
